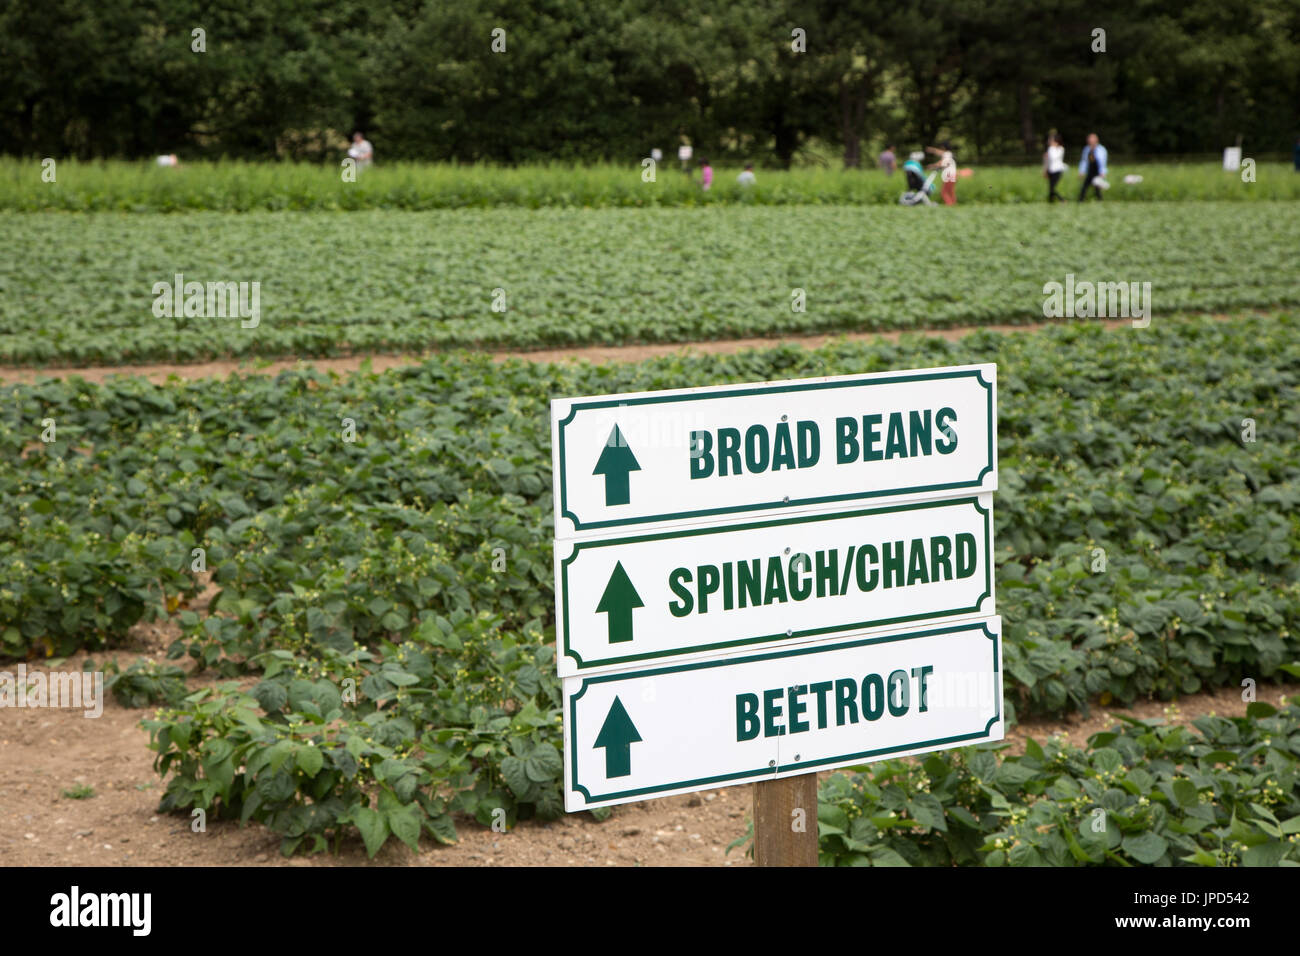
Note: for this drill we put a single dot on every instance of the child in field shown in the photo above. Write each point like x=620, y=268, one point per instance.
x=706, y=175
x=888, y=161
x=747, y=177
x=949, y=175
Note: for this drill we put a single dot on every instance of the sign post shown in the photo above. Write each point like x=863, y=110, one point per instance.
x=785, y=821
x=758, y=582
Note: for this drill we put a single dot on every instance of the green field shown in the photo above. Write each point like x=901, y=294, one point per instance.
x=375, y=560
x=376, y=281
x=416, y=560
x=328, y=601
x=243, y=187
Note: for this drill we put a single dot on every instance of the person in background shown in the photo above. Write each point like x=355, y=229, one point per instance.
x=948, y=165
x=706, y=175
x=1092, y=167
x=361, y=150
x=747, y=177
x=1054, y=166
x=888, y=161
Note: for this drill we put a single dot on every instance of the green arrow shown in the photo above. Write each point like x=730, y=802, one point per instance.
x=618, y=601
x=616, y=462
x=617, y=735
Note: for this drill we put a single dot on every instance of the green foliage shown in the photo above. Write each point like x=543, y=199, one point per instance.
x=146, y=682
x=363, y=571
x=80, y=792
x=1132, y=446
x=606, y=276
x=583, y=79
x=116, y=186
x=393, y=594
x=457, y=718
x=1139, y=794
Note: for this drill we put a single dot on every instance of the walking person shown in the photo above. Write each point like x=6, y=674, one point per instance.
x=1092, y=167
x=1054, y=166
x=948, y=165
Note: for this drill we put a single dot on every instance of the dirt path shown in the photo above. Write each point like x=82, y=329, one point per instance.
x=597, y=354
x=49, y=752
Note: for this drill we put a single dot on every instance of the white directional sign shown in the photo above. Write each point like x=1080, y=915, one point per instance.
x=764, y=580
x=666, y=458
x=701, y=589
x=680, y=727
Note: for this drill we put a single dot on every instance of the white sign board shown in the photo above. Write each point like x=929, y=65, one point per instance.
x=702, y=589
x=681, y=727
x=654, y=459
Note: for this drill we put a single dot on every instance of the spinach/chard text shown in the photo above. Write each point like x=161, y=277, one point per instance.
x=756, y=582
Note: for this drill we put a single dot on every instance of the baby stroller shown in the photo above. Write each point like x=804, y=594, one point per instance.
x=919, y=186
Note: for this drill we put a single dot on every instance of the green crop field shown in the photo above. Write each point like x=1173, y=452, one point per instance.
x=243, y=187
x=305, y=300
x=416, y=562
x=375, y=281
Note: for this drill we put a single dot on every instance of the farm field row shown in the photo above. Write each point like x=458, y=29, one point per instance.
x=416, y=560
x=244, y=187
x=102, y=289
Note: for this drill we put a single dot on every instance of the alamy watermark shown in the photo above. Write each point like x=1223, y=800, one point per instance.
x=212, y=300
x=128, y=910
x=72, y=689
x=1098, y=300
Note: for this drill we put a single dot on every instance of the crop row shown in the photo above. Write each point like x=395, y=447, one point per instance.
x=102, y=289
x=244, y=187
x=1147, y=519
x=1223, y=792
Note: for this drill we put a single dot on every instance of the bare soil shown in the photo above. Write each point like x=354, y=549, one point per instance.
x=48, y=752
x=596, y=354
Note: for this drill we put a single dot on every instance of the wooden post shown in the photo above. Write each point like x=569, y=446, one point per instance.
x=785, y=821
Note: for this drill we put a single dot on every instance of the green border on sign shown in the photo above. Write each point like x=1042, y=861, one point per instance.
x=864, y=755
x=571, y=654
x=580, y=525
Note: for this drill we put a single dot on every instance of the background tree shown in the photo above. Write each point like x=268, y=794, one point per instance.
x=585, y=80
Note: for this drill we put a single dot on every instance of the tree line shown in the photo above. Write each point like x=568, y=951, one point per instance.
x=516, y=81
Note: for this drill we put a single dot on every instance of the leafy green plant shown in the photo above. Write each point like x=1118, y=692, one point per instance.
x=458, y=719
x=136, y=187
x=146, y=682
x=1222, y=794
x=663, y=275
x=415, y=561
x=79, y=792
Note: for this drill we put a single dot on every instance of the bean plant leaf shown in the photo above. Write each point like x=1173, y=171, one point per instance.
x=405, y=824
x=373, y=827
x=1145, y=847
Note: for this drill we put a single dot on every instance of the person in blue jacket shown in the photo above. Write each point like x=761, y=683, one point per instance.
x=1092, y=167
